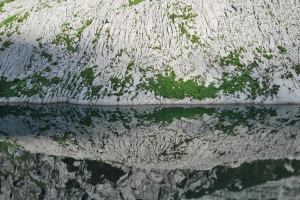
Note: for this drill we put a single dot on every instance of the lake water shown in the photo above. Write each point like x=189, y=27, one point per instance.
x=149, y=152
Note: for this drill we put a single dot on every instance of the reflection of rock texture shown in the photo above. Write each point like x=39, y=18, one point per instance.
x=39, y=176
x=286, y=189
x=29, y=176
x=162, y=138
x=104, y=52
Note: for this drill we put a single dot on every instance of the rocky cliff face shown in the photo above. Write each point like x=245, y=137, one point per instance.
x=143, y=51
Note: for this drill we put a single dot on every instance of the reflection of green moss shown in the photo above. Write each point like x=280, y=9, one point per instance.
x=65, y=138
x=227, y=118
x=246, y=175
x=5, y=146
x=9, y=149
x=167, y=115
x=86, y=121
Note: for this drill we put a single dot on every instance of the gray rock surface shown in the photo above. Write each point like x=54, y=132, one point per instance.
x=150, y=52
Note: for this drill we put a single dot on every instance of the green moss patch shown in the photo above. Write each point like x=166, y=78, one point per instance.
x=297, y=69
x=244, y=82
x=120, y=86
x=30, y=86
x=6, y=44
x=184, y=16
x=240, y=80
x=13, y=18
x=167, y=85
x=9, y=21
x=134, y=2
x=266, y=54
x=70, y=37
x=47, y=56
x=12, y=23
x=2, y=4
x=233, y=58
x=88, y=76
x=282, y=49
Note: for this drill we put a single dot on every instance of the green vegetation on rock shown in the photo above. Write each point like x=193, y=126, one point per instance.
x=70, y=37
x=12, y=23
x=47, y=56
x=88, y=76
x=6, y=44
x=297, y=68
x=13, y=18
x=186, y=13
x=282, y=49
x=30, y=86
x=266, y=54
x=2, y=4
x=65, y=38
x=8, y=21
x=119, y=85
x=240, y=80
x=167, y=85
x=184, y=16
x=134, y=2
x=233, y=58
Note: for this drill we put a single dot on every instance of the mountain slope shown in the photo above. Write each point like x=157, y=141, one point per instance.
x=142, y=52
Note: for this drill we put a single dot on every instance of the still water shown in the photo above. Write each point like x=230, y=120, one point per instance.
x=207, y=152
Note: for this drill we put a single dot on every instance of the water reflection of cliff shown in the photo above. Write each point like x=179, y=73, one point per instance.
x=71, y=152
x=24, y=175
x=80, y=119
x=161, y=137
